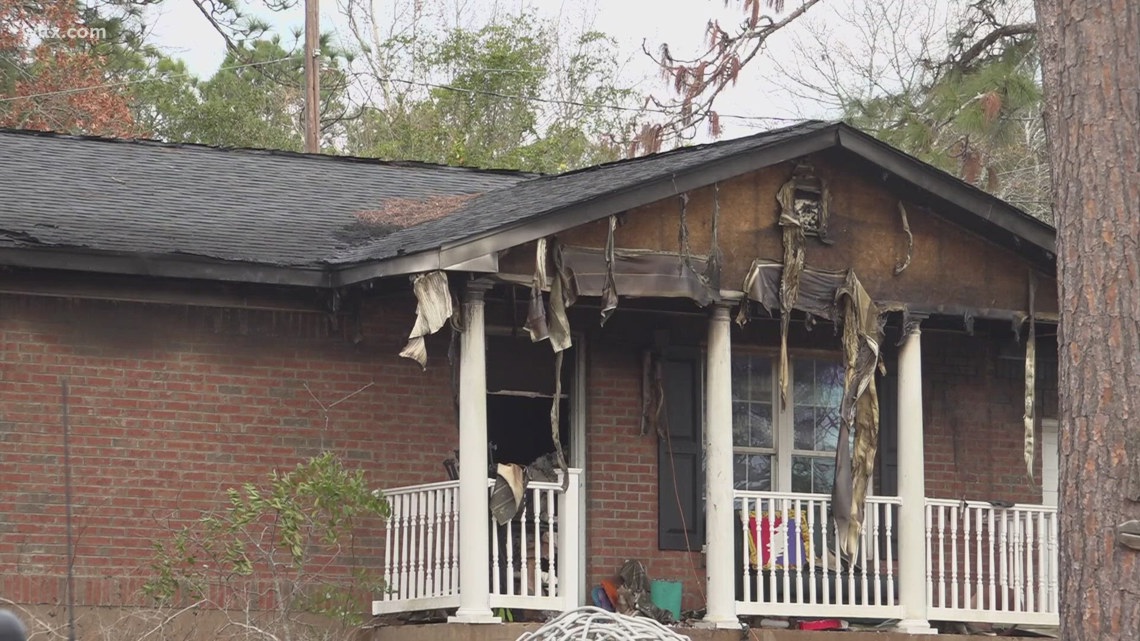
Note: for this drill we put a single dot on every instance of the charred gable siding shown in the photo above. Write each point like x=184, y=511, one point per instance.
x=950, y=266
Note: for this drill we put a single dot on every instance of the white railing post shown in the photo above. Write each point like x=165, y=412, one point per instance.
x=913, y=595
x=474, y=582
x=568, y=561
x=720, y=601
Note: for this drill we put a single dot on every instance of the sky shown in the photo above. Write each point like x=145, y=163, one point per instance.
x=181, y=30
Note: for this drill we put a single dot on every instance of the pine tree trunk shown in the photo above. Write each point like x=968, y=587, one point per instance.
x=1091, y=57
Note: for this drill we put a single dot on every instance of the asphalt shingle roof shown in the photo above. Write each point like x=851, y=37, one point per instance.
x=533, y=198
x=236, y=205
x=297, y=211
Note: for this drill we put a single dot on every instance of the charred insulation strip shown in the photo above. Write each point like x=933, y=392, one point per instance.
x=899, y=268
x=536, y=311
x=433, y=308
x=838, y=297
x=609, y=287
x=794, y=242
x=1030, y=377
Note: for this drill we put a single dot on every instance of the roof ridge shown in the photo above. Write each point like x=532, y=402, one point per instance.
x=804, y=124
x=257, y=151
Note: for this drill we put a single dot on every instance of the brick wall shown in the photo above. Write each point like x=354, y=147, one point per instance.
x=621, y=488
x=973, y=403
x=170, y=405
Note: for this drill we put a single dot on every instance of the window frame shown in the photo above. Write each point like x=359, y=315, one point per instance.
x=783, y=448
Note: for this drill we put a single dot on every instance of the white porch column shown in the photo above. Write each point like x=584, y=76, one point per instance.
x=912, y=486
x=719, y=526
x=474, y=508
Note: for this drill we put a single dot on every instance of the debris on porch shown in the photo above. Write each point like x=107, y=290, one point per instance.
x=595, y=624
x=632, y=595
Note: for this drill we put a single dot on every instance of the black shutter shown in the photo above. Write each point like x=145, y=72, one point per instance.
x=888, y=453
x=680, y=472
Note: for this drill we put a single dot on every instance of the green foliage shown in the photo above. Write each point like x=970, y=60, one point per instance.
x=287, y=532
x=980, y=121
x=256, y=98
x=488, y=106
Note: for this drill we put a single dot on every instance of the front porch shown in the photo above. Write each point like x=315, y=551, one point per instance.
x=918, y=560
x=982, y=563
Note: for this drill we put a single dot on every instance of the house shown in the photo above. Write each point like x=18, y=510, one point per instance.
x=221, y=313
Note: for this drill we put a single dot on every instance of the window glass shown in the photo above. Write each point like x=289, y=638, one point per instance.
x=752, y=472
x=816, y=394
x=807, y=432
x=813, y=474
x=752, y=402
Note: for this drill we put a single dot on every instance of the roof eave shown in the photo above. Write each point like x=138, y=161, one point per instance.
x=998, y=214
x=205, y=268
x=164, y=265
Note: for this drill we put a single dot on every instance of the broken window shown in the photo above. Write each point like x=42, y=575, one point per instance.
x=808, y=201
x=520, y=388
x=791, y=448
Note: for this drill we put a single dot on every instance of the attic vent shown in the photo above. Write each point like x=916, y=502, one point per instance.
x=808, y=197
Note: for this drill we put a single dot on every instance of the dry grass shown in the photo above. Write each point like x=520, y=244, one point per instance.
x=406, y=212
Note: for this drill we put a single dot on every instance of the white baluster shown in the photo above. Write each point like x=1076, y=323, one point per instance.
x=771, y=509
x=797, y=552
x=810, y=525
x=523, y=553
x=454, y=527
x=1030, y=574
x=448, y=587
x=861, y=554
x=890, y=514
x=498, y=582
x=388, y=533
x=553, y=572
x=1003, y=546
x=827, y=553
x=979, y=560
x=852, y=559
x=536, y=515
x=421, y=557
x=405, y=541
x=876, y=565
x=785, y=508
x=1042, y=568
x=746, y=532
x=991, y=544
x=954, y=556
x=1018, y=561
x=942, y=556
x=966, y=583
x=435, y=529
x=1054, y=564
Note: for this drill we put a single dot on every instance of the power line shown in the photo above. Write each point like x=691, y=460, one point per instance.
x=572, y=103
x=123, y=83
x=416, y=83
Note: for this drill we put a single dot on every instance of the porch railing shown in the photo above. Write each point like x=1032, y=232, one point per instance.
x=788, y=562
x=533, y=561
x=991, y=564
x=421, y=549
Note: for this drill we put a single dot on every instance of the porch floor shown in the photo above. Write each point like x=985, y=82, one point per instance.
x=512, y=631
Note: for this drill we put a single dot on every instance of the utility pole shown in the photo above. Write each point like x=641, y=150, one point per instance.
x=312, y=77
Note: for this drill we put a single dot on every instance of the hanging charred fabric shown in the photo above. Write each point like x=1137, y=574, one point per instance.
x=838, y=297
x=804, y=203
x=433, y=308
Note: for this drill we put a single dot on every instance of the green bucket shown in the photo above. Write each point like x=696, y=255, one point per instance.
x=667, y=596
